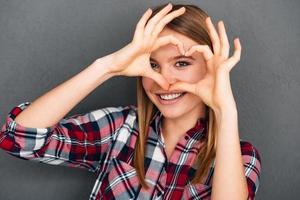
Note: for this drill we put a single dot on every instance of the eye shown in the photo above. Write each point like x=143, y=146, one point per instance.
x=183, y=63
x=153, y=65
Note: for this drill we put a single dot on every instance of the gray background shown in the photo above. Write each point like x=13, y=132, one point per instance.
x=44, y=43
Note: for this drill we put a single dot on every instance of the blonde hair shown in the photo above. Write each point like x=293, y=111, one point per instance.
x=192, y=25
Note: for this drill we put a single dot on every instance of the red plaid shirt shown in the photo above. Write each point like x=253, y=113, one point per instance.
x=103, y=141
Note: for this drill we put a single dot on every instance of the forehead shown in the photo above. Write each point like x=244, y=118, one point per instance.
x=170, y=49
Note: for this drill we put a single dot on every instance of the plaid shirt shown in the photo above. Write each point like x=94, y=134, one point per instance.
x=103, y=141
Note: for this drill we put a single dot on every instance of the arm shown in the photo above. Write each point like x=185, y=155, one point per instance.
x=81, y=140
x=36, y=130
x=20, y=138
x=237, y=167
x=229, y=180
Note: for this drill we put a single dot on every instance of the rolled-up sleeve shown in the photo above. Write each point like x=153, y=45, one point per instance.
x=79, y=141
x=252, y=165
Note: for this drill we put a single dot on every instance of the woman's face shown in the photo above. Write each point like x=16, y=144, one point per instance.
x=173, y=69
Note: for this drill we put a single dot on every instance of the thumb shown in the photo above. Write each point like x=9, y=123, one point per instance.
x=188, y=87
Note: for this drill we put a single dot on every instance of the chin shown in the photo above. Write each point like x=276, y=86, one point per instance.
x=171, y=112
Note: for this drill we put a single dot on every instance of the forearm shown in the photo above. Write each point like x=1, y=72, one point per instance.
x=49, y=108
x=229, y=181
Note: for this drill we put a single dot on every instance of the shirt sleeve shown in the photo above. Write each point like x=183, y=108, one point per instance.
x=252, y=164
x=79, y=141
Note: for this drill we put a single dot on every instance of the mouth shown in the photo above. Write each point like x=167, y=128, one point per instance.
x=170, y=98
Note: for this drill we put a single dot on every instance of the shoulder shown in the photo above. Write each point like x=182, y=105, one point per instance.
x=252, y=161
x=117, y=108
x=249, y=149
x=114, y=111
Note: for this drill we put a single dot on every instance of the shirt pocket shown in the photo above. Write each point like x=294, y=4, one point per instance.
x=120, y=182
x=196, y=191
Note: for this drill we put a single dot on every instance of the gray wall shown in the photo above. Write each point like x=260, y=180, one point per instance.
x=43, y=43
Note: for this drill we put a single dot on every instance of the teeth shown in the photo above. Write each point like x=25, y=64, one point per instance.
x=170, y=96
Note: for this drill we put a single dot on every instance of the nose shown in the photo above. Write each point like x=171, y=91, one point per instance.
x=167, y=73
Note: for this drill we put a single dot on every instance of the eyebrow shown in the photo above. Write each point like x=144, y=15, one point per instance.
x=177, y=57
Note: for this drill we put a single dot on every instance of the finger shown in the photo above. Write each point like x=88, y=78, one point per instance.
x=213, y=35
x=189, y=87
x=141, y=23
x=204, y=49
x=230, y=62
x=159, y=27
x=223, y=40
x=164, y=40
x=155, y=19
x=158, y=78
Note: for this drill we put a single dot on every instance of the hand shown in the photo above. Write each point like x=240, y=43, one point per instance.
x=134, y=58
x=214, y=89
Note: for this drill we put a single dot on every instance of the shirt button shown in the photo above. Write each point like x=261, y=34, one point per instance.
x=186, y=137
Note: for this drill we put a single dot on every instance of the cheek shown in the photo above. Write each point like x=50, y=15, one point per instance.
x=194, y=75
x=147, y=83
x=198, y=70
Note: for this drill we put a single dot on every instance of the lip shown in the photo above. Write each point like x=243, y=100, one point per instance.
x=168, y=102
x=170, y=92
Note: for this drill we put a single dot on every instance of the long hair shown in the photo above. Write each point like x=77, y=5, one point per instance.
x=192, y=25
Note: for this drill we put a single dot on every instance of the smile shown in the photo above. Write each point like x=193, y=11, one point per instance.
x=167, y=99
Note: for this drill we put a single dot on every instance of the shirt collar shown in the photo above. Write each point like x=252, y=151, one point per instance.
x=197, y=132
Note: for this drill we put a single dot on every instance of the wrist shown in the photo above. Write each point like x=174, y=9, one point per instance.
x=225, y=113
x=225, y=107
x=105, y=64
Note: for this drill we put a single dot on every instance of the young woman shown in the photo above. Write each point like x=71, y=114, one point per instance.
x=181, y=141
